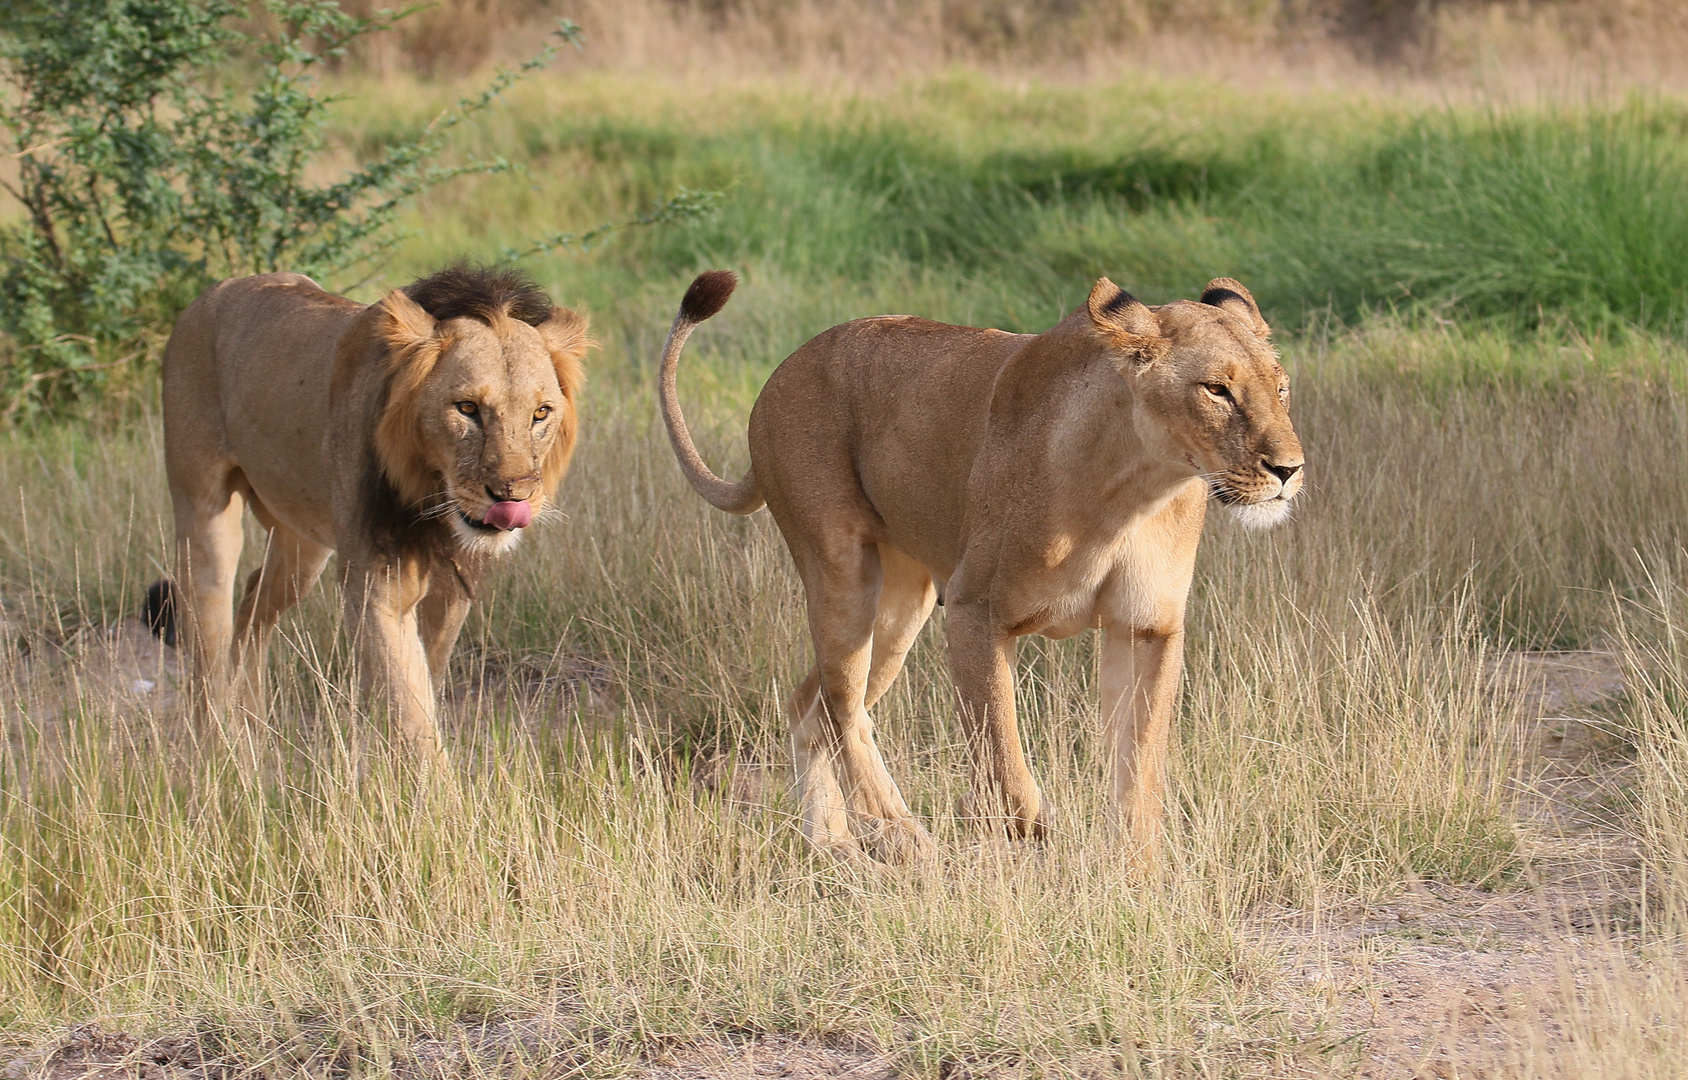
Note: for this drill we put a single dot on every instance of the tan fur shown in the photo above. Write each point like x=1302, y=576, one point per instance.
x=1039, y=484
x=338, y=424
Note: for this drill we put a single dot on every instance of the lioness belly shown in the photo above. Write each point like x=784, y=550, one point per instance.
x=919, y=399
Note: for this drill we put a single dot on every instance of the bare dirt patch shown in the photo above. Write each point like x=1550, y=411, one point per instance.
x=1452, y=980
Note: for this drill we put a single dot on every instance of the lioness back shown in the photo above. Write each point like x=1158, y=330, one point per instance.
x=890, y=400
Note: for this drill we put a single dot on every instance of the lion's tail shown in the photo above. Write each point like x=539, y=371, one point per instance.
x=707, y=295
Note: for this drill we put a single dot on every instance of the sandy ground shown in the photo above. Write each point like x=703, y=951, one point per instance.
x=1439, y=982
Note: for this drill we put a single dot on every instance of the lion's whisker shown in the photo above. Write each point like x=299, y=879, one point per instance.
x=438, y=510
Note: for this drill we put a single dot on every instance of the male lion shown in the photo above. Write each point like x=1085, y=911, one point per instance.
x=417, y=436
x=1033, y=484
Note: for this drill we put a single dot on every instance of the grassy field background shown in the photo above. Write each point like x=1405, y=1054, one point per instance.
x=1483, y=310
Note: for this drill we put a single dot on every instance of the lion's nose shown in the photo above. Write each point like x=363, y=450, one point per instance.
x=1283, y=472
x=509, y=489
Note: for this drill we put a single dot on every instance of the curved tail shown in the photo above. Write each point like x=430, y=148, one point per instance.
x=707, y=295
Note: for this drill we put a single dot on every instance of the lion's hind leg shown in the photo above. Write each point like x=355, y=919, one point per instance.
x=208, y=509
x=864, y=612
x=291, y=567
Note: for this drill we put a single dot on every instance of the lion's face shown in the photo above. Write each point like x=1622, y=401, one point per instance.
x=1211, y=396
x=480, y=420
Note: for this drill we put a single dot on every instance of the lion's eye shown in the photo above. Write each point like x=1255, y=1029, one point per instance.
x=541, y=413
x=1218, y=390
x=1283, y=393
x=468, y=408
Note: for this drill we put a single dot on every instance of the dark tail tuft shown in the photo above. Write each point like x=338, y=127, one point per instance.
x=708, y=294
x=159, y=611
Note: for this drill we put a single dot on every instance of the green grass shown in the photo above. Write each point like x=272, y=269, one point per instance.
x=983, y=203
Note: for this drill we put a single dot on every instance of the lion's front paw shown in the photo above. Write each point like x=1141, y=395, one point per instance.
x=896, y=841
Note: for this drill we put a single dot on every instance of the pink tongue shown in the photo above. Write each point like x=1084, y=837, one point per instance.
x=509, y=515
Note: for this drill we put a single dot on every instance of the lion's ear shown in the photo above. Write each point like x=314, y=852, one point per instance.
x=1228, y=294
x=566, y=339
x=404, y=325
x=412, y=348
x=1125, y=321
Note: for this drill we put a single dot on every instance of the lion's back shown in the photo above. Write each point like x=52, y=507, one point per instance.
x=245, y=381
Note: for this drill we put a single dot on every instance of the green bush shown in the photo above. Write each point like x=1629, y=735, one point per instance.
x=162, y=145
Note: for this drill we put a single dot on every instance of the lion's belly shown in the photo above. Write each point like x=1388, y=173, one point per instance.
x=288, y=476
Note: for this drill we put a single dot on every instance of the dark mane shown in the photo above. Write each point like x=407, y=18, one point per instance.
x=481, y=292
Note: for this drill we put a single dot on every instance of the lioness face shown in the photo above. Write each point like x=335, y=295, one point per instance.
x=1211, y=396
x=1222, y=399
x=491, y=413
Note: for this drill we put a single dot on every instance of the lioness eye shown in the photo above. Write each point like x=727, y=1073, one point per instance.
x=468, y=408
x=541, y=413
x=1218, y=390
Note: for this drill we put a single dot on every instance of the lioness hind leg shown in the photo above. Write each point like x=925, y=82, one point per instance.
x=835, y=732
x=906, y=599
x=825, y=819
x=291, y=567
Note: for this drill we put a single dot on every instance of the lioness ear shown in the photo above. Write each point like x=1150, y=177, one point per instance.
x=565, y=337
x=1125, y=321
x=1228, y=294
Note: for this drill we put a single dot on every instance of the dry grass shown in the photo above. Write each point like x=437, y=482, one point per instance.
x=1495, y=42
x=614, y=864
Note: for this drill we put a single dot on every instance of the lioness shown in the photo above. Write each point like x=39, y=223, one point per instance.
x=1032, y=484
x=416, y=436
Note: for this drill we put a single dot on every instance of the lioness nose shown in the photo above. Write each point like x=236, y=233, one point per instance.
x=1283, y=472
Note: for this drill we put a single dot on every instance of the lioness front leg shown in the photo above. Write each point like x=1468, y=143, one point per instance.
x=1140, y=672
x=382, y=598
x=982, y=666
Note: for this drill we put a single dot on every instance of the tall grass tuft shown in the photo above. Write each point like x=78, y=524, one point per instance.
x=1526, y=215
